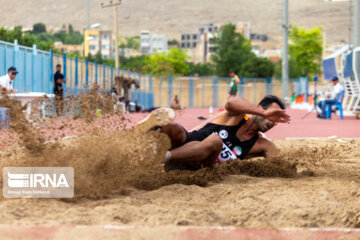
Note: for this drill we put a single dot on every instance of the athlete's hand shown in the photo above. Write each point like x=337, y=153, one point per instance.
x=277, y=115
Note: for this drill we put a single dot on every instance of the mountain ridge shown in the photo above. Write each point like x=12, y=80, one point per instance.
x=174, y=17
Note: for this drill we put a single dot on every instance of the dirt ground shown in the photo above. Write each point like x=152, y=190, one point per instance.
x=315, y=183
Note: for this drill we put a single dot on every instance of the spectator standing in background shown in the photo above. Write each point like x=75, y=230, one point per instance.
x=59, y=80
x=233, y=85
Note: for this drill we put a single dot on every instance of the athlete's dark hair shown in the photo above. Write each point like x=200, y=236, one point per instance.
x=269, y=99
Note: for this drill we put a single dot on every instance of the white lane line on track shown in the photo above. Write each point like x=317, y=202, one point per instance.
x=317, y=138
x=121, y=227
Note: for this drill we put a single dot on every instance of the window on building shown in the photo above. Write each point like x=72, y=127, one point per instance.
x=183, y=37
x=188, y=37
x=92, y=47
x=194, y=36
x=188, y=45
x=104, y=46
x=210, y=29
x=211, y=49
x=202, y=30
x=182, y=45
x=104, y=36
x=194, y=45
x=104, y=56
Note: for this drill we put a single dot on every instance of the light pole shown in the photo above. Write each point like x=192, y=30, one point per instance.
x=285, y=52
x=114, y=4
x=356, y=23
x=88, y=14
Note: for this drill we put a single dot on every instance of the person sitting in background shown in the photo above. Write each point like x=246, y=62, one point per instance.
x=7, y=80
x=119, y=99
x=175, y=103
x=331, y=98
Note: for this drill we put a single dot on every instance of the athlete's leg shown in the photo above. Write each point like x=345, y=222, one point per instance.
x=176, y=133
x=198, y=153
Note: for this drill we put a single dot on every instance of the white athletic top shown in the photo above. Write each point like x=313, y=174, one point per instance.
x=336, y=90
x=6, y=82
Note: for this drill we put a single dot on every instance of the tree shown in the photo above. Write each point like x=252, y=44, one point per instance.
x=74, y=39
x=173, y=42
x=43, y=45
x=257, y=67
x=306, y=49
x=130, y=42
x=232, y=50
x=294, y=71
x=178, y=60
x=60, y=36
x=159, y=64
x=10, y=35
x=133, y=42
x=173, y=62
x=136, y=63
x=202, y=69
x=70, y=29
x=39, y=28
x=45, y=36
x=28, y=40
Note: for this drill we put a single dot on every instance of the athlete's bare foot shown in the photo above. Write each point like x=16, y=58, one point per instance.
x=158, y=118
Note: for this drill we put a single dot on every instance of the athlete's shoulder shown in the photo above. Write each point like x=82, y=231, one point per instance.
x=226, y=118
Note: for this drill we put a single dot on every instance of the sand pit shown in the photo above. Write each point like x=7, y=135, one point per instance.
x=315, y=184
x=119, y=180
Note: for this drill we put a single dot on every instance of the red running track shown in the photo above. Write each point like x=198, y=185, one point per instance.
x=170, y=232
x=298, y=128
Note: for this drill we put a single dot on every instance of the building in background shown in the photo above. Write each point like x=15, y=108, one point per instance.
x=273, y=55
x=191, y=40
x=150, y=43
x=244, y=28
x=199, y=45
x=145, y=42
x=129, y=52
x=207, y=46
x=69, y=48
x=98, y=41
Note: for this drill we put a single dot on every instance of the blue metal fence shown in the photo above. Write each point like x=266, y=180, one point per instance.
x=33, y=66
x=36, y=70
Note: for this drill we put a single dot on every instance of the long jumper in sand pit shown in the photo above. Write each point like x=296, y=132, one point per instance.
x=231, y=134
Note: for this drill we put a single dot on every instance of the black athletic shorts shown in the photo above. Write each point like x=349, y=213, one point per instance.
x=190, y=137
x=233, y=92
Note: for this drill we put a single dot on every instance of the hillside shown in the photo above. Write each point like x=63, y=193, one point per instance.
x=176, y=16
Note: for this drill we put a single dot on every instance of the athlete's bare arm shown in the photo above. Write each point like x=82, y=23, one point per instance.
x=263, y=147
x=237, y=80
x=239, y=106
